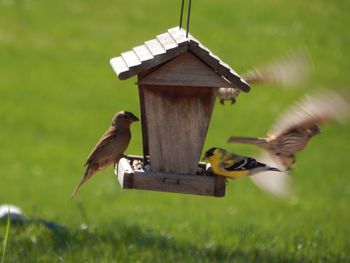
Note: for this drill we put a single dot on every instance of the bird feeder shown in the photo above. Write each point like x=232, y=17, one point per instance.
x=178, y=81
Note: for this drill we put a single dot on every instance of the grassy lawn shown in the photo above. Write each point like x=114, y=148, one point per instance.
x=58, y=94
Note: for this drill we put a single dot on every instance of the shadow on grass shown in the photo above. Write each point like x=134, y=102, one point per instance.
x=127, y=242
x=123, y=242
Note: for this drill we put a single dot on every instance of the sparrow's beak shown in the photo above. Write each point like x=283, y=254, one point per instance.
x=134, y=118
x=274, y=169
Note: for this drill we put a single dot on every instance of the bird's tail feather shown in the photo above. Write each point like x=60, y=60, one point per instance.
x=249, y=140
x=87, y=175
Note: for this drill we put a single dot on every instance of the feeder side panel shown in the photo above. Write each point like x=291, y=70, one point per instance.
x=177, y=124
x=143, y=124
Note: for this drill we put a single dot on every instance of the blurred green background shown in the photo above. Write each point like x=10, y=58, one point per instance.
x=58, y=94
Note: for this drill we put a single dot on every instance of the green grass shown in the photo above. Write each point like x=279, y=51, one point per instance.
x=58, y=95
x=6, y=237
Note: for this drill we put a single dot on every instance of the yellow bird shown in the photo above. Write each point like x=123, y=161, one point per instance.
x=111, y=146
x=234, y=166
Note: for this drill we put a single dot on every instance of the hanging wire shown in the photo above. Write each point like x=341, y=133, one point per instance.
x=181, y=14
x=188, y=17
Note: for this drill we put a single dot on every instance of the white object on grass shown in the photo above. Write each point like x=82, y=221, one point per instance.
x=16, y=213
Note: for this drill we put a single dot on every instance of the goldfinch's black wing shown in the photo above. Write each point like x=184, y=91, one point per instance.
x=106, y=138
x=246, y=163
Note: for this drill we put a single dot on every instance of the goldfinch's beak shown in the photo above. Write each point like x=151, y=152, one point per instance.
x=204, y=158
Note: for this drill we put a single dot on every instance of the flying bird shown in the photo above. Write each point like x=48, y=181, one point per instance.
x=295, y=127
x=110, y=147
x=234, y=166
x=277, y=184
x=285, y=71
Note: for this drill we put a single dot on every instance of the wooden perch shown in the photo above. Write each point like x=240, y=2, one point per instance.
x=209, y=185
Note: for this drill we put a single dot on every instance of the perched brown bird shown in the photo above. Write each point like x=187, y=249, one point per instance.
x=111, y=146
x=298, y=125
x=286, y=71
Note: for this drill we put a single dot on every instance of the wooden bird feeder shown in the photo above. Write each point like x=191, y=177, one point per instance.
x=178, y=80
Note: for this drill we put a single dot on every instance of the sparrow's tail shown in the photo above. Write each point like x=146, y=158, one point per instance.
x=261, y=142
x=88, y=173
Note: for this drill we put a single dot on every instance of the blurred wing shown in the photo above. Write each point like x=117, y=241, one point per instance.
x=106, y=138
x=288, y=70
x=312, y=110
x=278, y=184
x=285, y=71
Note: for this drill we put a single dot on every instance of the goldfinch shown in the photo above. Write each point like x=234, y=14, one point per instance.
x=298, y=125
x=111, y=146
x=286, y=71
x=234, y=166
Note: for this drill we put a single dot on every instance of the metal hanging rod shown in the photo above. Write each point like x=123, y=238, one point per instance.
x=188, y=15
x=181, y=13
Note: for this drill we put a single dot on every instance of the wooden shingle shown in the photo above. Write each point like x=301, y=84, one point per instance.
x=168, y=46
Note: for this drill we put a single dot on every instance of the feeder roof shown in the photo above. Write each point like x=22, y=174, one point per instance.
x=167, y=46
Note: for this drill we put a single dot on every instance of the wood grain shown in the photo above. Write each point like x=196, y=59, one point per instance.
x=167, y=46
x=176, y=183
x=177, y=123
x=204, y=54
x=155, y=47
x=143, y=120
x=131, y=59
x=121, y=69
x=143, y=53
x=185, y=70
x=178, y=35
x=167, y=41
x=169, y=182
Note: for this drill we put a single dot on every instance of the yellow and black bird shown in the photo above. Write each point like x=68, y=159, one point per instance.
x=234, y=166
x=110, y=149
x=298, y=125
